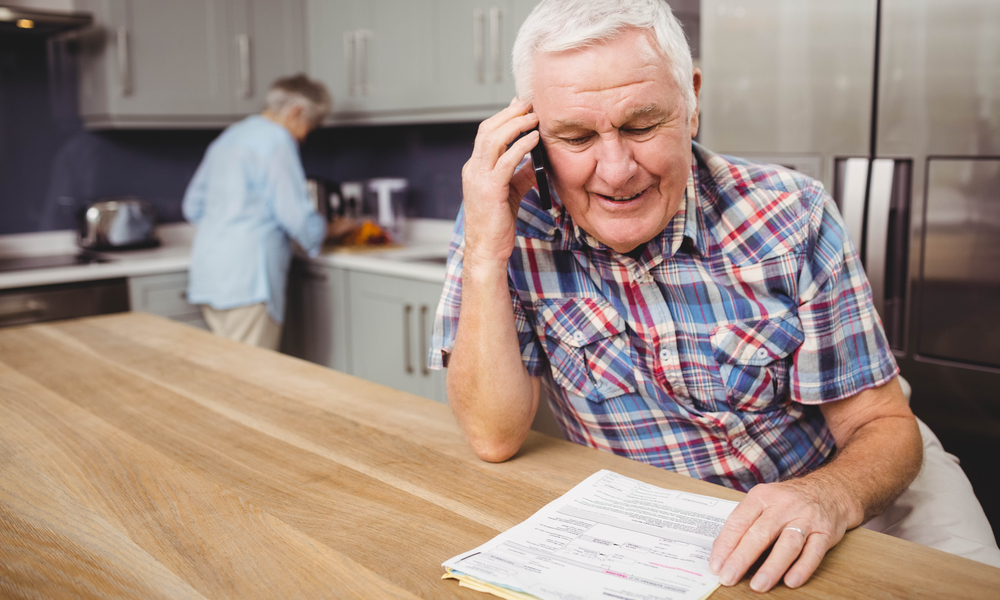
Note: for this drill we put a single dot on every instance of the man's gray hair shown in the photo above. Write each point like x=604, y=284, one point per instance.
x=559, y=25
x=299, y=90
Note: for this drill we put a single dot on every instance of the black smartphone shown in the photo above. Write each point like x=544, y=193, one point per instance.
x=540, y=162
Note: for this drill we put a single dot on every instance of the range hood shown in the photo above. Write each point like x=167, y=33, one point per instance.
x=19, y=20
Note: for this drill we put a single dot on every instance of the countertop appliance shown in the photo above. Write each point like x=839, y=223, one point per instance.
x=895, y=106
x=117, y=224
x=324, y=195
x=386, y=200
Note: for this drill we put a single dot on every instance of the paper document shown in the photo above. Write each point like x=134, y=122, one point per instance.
x=610, y=537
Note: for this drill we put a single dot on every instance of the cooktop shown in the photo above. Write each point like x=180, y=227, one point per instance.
x=22, y=263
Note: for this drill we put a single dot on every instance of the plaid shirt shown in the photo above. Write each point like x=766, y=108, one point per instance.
x=709, y=354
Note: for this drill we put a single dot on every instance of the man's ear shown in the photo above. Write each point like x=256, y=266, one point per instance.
x=696, y=83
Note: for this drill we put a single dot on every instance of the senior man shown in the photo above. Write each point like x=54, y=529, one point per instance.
x=693, y=311
x=248, y=200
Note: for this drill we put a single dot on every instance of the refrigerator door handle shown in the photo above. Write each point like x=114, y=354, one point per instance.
x=852, y=201
x=879, y=204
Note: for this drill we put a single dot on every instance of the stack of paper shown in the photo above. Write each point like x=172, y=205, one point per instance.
x=609, y=537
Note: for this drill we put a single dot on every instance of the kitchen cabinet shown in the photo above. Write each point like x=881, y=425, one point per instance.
x=186, y=62
x=391, y=323
x=269, y=39
x=398, y=60
x=372, y=55
x=472, y=45
x=316, y=320
x=164, y=294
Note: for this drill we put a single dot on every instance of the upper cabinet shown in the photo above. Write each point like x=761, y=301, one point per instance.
x=372, y=55
x=185, y=62
x=472, y=43
x=268, y=37
x=399, y=60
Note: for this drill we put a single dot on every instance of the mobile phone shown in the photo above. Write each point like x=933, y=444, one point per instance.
x=540, y=162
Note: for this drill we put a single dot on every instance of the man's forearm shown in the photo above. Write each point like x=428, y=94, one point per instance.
x=874, y=462
x=489, y=389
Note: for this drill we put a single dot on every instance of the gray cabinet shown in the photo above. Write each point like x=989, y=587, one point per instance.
x=316, y=323
x=165, y=295
x=269, y=42
x=184, y=62
x=472, y=46
x=399, y=60
x=391, y=323
x=374, y=56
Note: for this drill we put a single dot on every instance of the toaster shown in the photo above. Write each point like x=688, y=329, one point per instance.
x=117, y=224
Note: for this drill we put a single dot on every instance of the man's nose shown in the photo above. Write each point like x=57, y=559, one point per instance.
x=615, y=163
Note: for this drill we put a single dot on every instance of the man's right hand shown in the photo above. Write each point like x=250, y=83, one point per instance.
x=489, y=388
x=493, y=186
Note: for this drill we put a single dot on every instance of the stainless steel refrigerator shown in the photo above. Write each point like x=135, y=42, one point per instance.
x=895, y=106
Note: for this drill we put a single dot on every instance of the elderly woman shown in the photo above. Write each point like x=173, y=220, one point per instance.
x=248, y=199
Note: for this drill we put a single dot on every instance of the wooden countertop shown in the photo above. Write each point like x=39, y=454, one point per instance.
x=140, y=458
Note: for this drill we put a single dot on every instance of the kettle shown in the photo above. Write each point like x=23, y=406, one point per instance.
x=117, y=224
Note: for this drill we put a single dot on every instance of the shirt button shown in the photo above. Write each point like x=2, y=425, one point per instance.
x=762, y=353
x=665, y=355
x=579, y=337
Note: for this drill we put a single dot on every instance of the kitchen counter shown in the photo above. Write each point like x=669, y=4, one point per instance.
x=173, y=254
x=426, y=238
x=422, y=257
x=145, y=459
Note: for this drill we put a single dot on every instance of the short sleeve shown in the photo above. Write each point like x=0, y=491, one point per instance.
x=450, y=305
x=845, y=349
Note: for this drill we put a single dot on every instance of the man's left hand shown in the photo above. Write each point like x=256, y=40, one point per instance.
x=800, y=517
x=879, y=452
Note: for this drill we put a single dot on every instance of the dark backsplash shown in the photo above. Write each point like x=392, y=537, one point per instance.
x=50, y=166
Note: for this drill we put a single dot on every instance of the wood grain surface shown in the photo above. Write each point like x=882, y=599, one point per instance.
x=140, y=458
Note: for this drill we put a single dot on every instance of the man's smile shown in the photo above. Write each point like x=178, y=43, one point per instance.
x=620, y=199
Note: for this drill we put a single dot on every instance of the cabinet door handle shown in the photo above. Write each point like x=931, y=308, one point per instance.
x=495, y=44
x=478, y=43
x=124, y=81
x=423, y=341
x=349, y=62
x=408, y=364
x=243, y=43
x=362, y=38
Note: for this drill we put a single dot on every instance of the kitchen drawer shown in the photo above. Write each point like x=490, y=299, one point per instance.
x=164, y=295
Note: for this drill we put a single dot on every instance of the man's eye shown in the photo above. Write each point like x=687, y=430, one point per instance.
x=639, y=130
x=577, y=141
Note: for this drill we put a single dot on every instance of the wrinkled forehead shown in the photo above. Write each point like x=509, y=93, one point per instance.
x=626, y=76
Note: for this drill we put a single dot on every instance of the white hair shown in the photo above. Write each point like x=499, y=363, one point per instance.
x=299, y=90
x=559, y=25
